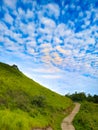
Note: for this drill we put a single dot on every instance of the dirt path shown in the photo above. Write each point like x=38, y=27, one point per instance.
x=49, y=128
x=67, y=122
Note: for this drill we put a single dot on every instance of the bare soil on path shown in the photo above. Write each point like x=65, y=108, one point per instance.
x=67, y=122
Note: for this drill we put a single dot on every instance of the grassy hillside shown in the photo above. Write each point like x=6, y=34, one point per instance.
x=25, y=104
x=87, y=118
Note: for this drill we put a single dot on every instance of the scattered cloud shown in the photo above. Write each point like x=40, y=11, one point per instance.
x=10, y=4
x=62, y=36
x=8, y=19
x=52, y=10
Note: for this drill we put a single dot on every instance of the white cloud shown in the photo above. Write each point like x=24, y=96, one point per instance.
x=57, y=40
x=9, y=45
x=63, y=51
x=88, y=14
x=48, y=22
x=60, y=30
x=90, y=41
x=31, y=45
x=63, y=31
x=3, y=28
x=87, y=23
x=29, y=14
x=30, y=29
x=46, y=48
x=56, y=59
x=8, y=18
x=21, y=12
x=50, y=36
x=53, y=10
x=49, y=27
x=10, y=3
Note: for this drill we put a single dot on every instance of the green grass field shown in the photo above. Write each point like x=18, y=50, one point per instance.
x=25, y=104
x=87, y=118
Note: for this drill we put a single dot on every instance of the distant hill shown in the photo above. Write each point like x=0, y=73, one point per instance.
x=25, y=104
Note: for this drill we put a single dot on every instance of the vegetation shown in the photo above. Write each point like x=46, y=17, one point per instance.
x=87, y=118
x=25, y=104
x=78, y=97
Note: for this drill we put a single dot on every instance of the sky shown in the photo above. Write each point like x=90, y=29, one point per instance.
x=54, y=42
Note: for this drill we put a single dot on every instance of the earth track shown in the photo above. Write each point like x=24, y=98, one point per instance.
x=67, y=122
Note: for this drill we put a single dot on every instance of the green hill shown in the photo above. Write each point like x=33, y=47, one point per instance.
x=25, y=104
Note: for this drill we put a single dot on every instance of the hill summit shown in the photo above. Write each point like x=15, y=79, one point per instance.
x=25, y=104
x=15, y=66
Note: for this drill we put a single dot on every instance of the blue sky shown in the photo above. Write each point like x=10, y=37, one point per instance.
x=54, y=42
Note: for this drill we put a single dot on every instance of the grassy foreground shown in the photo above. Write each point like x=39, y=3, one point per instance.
x=25, y=104
x=87, y=118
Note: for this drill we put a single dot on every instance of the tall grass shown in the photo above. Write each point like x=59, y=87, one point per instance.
x=87, y=118
x=25, y=104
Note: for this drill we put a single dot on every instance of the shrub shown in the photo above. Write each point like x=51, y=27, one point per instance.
x=39, y=101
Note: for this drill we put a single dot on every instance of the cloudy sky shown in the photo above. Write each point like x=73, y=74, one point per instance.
x=54, y=42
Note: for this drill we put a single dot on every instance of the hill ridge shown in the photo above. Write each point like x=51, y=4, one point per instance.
x=28, y=102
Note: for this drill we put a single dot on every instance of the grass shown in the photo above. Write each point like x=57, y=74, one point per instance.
x=87, y=118
x=25, y=104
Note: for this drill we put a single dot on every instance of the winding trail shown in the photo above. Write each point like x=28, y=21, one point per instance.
x=67, y=122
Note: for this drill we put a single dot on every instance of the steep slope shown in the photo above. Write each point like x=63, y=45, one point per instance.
x=25, y=104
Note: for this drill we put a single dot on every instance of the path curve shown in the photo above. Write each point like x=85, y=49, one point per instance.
x=67, y=122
